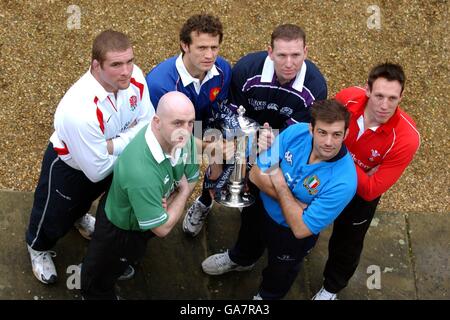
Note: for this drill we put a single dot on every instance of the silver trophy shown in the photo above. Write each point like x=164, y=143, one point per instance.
x=233, y=195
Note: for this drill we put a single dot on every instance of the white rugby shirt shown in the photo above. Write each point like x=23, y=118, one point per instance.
x=88, y=115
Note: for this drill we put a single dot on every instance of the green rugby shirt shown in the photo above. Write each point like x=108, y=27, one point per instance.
x=143, y=175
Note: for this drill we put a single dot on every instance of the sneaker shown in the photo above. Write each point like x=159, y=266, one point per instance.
x=195, y=217
x=86, y=225
x=127, y=274
x=324, y=295
x=43, y=266
x=221, y=263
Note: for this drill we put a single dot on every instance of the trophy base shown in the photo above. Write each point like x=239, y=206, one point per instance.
x=236, y=201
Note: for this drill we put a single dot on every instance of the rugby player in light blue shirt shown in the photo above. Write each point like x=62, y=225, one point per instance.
x=305, y=179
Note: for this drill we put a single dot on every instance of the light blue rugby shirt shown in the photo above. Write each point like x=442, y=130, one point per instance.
x=326, y=187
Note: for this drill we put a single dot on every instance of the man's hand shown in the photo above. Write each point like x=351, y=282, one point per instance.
x=215, y=170
x=183, y=186
x=265, y=138
x=279, y=182
x=110, y=143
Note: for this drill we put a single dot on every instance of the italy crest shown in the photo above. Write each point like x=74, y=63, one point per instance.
x=311, y=183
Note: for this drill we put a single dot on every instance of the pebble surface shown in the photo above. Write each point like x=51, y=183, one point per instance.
x=45, y=48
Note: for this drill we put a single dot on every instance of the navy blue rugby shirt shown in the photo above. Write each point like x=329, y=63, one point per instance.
x=207, y=98
x=254, y=85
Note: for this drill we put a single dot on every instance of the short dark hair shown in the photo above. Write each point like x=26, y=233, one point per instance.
x=288, y=32
x=108, y=41
x=202, y=23
x=329, y=111
x=388, y=71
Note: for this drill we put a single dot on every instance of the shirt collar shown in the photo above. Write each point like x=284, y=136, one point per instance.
x=156, y=149
x=342, y=152
x=96, y=87
x=186, y=77
x=360, y=122
x=268, y=74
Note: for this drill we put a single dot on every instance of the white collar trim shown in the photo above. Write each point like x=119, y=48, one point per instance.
x=156, y=149
x=269, y=70
x=186, y=77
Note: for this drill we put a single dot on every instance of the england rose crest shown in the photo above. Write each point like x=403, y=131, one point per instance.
x=133, y=102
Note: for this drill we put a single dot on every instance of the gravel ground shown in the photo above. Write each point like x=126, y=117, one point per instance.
x=42, y=55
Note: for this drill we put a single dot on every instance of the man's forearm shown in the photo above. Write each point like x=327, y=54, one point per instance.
x=292, y=211
x=175, y=209
x=123, y=138
x=262, y=181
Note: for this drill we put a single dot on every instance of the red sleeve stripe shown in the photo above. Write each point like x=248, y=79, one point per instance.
x=139, y=85
x=62, y=151
x=99, y=116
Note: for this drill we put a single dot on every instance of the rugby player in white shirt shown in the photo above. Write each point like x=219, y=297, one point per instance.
x=97, y=117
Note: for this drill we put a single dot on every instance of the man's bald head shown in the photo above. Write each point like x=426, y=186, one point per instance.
x=174, y=120
x=174, y=102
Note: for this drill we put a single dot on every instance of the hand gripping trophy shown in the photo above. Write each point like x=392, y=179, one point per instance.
x=245, y=136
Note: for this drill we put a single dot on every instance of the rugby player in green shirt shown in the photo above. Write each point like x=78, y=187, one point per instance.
x=153, y=179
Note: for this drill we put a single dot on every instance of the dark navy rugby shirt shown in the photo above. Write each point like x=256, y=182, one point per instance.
x=255, y=86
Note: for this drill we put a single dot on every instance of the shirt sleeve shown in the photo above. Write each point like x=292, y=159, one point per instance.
x=272, y=156
x=222, y=106
x=156, y=89
x=147, y=206
x=323, y=92
x=146, y=112
x=223, y=94
x=389, y=171
x=348, y=94
x=87, y=146
x=326, y=207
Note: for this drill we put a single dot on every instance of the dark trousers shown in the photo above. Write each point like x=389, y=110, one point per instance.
x=109, y=253
x=250, y=244
x=285, y=252
x=346, y=242
x=62, y=196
